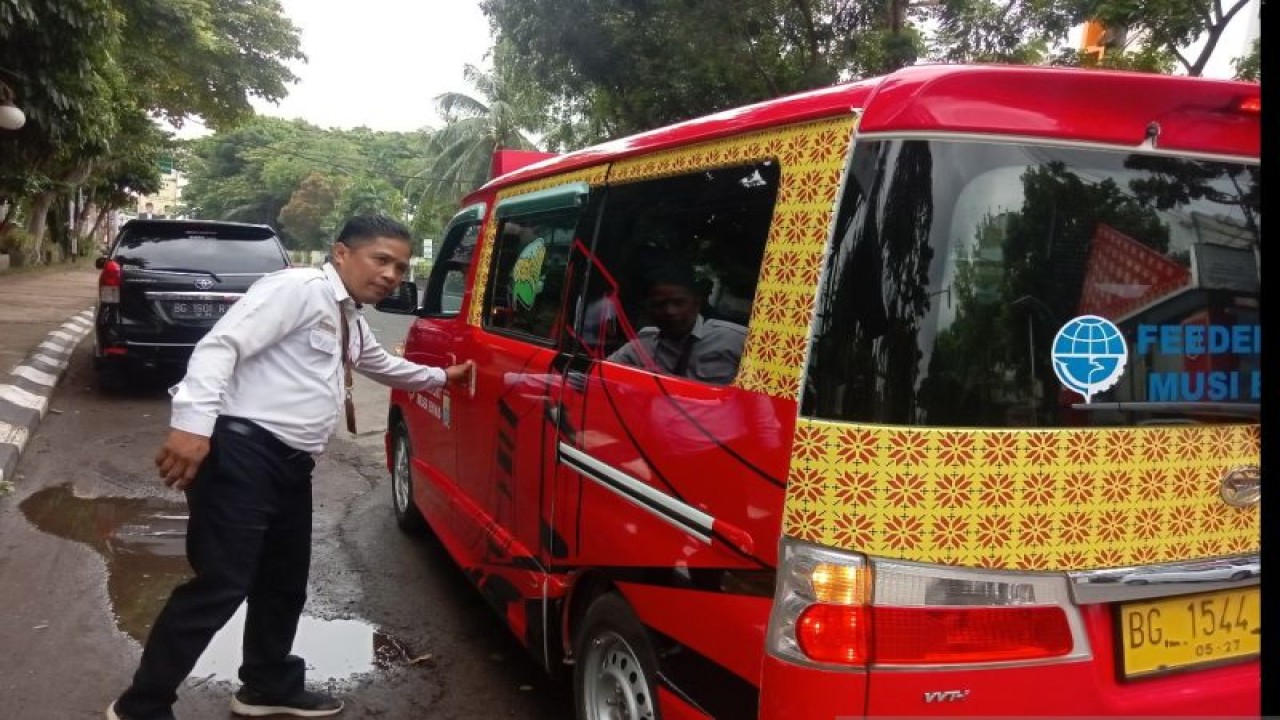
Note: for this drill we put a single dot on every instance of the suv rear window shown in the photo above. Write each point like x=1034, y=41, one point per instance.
x=1020, y=285
x=219, y=252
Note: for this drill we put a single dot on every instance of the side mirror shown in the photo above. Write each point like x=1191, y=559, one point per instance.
x=402, y=301
x=100, y=261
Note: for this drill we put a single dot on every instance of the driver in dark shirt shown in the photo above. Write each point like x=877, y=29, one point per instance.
x=681, y=341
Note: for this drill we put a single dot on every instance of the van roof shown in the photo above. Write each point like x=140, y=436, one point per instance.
x=1099, y=106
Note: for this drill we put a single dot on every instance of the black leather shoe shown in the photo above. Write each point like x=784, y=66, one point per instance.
x=305, y=703
x=113, y=714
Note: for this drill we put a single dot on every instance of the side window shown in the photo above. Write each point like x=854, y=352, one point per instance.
x=445, y=287
x=527, y=281
x=673, y=273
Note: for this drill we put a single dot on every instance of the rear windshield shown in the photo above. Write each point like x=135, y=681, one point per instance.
x=244, y=253
x=1012, y=285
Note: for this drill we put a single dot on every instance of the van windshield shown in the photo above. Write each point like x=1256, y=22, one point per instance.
x=1014, y=285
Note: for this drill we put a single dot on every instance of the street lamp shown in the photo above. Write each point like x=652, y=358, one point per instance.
x=11, y=116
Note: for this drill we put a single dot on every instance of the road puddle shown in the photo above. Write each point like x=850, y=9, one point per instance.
x=143, y=541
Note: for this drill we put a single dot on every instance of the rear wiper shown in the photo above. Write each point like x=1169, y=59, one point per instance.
x=187, y=270
x=1188, y=408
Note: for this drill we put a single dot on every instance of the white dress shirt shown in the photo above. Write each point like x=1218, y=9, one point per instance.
x=275, y=359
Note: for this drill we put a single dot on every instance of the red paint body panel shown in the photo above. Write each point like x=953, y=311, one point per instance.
x=789, y=691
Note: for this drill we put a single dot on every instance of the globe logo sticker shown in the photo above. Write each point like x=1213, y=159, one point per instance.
x=1089, y=355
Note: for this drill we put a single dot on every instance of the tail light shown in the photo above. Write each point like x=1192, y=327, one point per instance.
x=835, y=609
x=1251, y=104
x=109, y=282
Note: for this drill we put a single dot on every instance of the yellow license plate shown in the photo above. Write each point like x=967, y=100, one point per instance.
x=1158, y=636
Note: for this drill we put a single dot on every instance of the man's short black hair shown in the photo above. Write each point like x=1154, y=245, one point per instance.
x=364, y=229
x=672, y=273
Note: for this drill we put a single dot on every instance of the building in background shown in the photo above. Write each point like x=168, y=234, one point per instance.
x=166, y=202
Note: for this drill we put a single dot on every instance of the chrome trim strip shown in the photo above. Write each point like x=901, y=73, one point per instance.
x=193, y=295
x=1143, y=582
x=683, y=516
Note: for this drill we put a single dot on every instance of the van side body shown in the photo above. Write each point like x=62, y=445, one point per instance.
x=967, y=423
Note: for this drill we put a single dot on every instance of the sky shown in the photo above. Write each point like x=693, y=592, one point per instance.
x=380, y=63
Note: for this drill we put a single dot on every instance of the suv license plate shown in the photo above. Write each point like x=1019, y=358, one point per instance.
x=1160, y=636
x=198, y=310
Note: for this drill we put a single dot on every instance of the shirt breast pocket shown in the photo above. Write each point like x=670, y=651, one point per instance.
x=320, y=355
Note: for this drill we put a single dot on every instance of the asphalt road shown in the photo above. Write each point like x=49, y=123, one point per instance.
x=91, y=544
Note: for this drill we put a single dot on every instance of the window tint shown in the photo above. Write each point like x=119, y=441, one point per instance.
x=447, y=283
x=1006, y=285
x=674, y=270
x=527, y=282
x=198, y=252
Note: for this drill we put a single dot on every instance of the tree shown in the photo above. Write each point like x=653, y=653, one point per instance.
x=461, y=151
x=1171, y=25
x=1249, y=67
x=89, y=74
x=308, y=216
x=627, y=67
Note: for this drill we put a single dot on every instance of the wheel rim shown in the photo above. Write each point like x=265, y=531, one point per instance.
x=615, y=686
x=400, y=477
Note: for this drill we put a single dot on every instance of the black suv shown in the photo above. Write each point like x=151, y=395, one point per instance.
x=164, y=283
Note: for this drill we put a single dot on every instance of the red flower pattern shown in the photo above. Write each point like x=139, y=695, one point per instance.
x=955, y=448
x=852, y=530
x=856, y=490
x=1039, y=489
x=1042, y=447
x=1036, y=530
x=1077, y=489
x=810, y=443
x=905, y=491
x=909, y=448
x=902, y=532
x=952, y=491
x=1001, y=448
x=805, y=485
x=997, y=490
x=1111, y=526
x=1116, y=487
x=856, y=445
x=1148, y=524
x=950, y=532
x=1076, y=528
x=994, y=531
x=1152, y=485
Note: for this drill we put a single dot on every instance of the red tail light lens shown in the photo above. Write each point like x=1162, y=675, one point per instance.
x=1251, y=104
x=109, y=282
x=930, y=635
x=834, y=633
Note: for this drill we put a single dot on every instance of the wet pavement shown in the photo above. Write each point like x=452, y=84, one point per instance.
x=91, y=544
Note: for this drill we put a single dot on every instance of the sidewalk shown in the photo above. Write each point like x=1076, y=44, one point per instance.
x=44, y=313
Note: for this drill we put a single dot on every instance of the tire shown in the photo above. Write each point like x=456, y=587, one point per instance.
x=408, y=518
x=616, y=668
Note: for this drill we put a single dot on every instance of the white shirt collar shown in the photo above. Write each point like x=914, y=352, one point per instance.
x=335, y=283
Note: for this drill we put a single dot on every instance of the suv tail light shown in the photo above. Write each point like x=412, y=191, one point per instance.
x=109, y=282
x=833, y=608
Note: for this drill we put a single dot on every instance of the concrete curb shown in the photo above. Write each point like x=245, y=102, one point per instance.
x=24, y=394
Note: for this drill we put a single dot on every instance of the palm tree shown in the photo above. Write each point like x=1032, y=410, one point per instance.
x=473, y=130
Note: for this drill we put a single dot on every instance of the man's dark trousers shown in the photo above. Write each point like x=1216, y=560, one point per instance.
x=248, y=537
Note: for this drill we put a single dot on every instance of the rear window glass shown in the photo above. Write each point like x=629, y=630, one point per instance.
x=206, y=252
x=1011, y=285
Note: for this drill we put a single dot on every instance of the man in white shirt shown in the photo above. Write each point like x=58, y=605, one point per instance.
x=260, y=399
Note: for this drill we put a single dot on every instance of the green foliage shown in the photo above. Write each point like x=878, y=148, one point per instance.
x=91, y=75
x=1249, y=67
x=294, y=175
x=613, y=68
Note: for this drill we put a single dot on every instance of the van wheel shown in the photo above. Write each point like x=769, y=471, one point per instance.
x=408, y=517
x=616, y=669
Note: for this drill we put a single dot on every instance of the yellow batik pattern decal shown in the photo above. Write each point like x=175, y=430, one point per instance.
x=593, y=176
x=812, y=159
x=1067, y=499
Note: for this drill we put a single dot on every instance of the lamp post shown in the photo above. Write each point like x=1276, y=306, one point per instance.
x=11, y=116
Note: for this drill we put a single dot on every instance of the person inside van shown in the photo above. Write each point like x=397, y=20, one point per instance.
x=681, y=341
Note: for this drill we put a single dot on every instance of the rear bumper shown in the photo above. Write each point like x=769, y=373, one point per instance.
x=141, y=354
